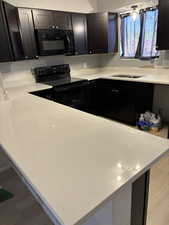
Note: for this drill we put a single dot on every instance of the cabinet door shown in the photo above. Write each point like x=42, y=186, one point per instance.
x=43, y=18
x=140, y=192
x=62, y=20
x=112, y=32
x=163, y=29
x=116, y=100
x=28, y=34
x=5, y=46
x=97, y=24
x=14, y=32
x=79, y=23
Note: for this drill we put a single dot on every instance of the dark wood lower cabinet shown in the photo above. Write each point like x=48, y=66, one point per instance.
x=140, y=191
x=120, y=100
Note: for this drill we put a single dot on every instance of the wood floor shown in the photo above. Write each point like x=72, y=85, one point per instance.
x=158, y=210
x=24, y=210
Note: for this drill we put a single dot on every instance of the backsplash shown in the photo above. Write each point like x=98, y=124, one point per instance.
x=21, y=70
x=109, y=60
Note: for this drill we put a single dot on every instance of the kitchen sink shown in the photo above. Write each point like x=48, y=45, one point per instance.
x=128, y=76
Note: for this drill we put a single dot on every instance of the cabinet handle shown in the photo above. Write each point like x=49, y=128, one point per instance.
x=115, y=91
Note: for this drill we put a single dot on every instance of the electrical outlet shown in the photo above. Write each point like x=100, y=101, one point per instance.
x=84, y=65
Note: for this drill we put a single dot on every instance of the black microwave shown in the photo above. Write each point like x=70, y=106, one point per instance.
x=55, y=41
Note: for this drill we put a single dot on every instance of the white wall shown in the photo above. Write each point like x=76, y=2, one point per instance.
x=70, y=5
x=111, y=5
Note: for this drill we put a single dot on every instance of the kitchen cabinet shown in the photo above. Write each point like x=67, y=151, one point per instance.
x=27, y=33
x=5, y=45
x=79, y=24
x=14, y=32
x=120, y=100
x=21, y=31
x=140, y=195
x=102, y=33
x=163, y=29
x=62, y=20
x=44, y=19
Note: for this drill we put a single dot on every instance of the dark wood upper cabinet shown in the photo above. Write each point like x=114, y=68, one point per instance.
x=27, y=33
x=14, y=32
x=163, y=28
x=62, y=20
x=93, y=33
x=102, y=33
x=79, y=24
x=43, y=18
x=21, y=30
x=5, y=46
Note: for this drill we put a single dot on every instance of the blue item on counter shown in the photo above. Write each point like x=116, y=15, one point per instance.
x=144, y=125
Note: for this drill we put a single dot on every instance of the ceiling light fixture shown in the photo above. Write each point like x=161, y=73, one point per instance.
x=134, y=12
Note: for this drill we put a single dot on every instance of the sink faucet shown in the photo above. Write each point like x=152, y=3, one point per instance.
x=2, y=89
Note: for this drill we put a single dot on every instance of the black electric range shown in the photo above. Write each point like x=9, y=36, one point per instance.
x=66, y=90
x=55, y=75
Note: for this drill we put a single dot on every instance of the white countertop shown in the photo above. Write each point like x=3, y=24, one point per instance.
x=16, y=91
x=71, y=157
x=149, y=75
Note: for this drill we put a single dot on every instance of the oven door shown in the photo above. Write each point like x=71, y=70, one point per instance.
x=54, y=42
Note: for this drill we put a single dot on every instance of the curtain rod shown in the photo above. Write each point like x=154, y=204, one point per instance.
x=141, y=10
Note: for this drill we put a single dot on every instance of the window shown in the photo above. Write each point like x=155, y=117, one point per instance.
x=149, y=34
x=138, y=37
x=130, y=34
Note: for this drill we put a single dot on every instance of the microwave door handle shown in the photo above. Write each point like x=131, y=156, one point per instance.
x=68, y=39
x=69, y=42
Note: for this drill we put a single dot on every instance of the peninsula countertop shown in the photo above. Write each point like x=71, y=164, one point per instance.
x=70, y=158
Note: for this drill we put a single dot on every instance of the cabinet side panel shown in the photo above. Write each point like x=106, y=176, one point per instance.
x=163, y=29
